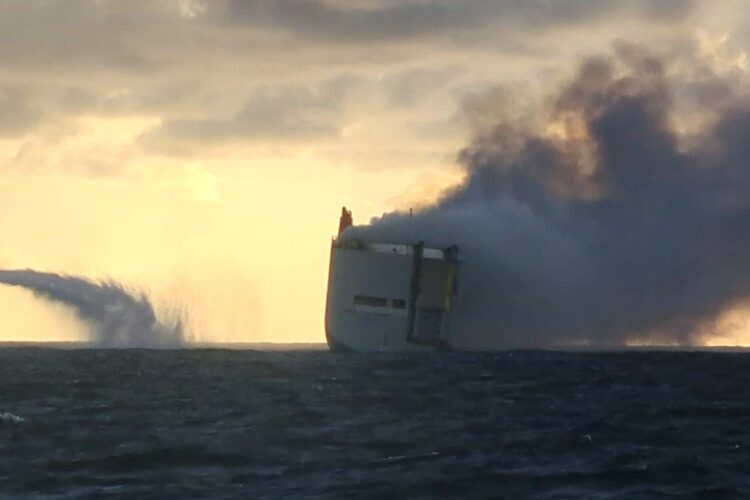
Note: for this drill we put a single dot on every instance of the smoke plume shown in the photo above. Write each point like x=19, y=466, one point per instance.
x=617, y=211
x=117, y=318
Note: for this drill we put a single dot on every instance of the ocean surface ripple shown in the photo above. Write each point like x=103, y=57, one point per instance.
x=311, y=424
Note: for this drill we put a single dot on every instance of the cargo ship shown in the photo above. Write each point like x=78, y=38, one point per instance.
x=385, y=296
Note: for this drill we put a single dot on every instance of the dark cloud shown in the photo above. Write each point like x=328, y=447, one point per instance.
x=172, y=58
x=612, y=231
x=17, y=113
x=40, y=36
x=146, y=35
x=273, y=113
x=393, y=21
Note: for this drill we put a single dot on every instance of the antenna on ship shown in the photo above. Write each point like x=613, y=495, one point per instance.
x=345, y=220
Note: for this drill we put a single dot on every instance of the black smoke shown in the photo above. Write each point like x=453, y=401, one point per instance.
x=118, y=318
x=619, y=211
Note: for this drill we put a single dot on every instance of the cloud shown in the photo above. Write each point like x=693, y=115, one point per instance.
x=145, y=38
x=272, y=113
x=66, y=35
x=393, y=21
x=17, y=114
x=225, y=71
x=411, y=87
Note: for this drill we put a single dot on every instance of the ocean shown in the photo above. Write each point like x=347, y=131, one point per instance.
x=227, y=423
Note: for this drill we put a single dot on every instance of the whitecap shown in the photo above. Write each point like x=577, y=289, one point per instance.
x=9, y=418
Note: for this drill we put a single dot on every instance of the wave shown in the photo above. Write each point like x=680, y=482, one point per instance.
x=9, y=418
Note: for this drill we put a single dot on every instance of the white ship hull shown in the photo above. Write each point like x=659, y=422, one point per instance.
x=389, y=297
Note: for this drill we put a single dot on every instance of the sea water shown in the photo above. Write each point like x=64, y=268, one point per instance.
x=228, y=423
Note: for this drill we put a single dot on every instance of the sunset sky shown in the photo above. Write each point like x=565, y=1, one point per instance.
x=201, y=150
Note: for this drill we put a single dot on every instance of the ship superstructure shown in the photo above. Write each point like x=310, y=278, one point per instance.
x=389, y=296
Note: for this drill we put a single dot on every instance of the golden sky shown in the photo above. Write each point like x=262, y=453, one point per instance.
x=201, y=150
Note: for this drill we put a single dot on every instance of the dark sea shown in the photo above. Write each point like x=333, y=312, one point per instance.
x=203, y=423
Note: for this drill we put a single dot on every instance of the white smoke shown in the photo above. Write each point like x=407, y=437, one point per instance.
x=118, y=318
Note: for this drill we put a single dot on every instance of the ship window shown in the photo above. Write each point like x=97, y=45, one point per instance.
x=366, y=300
x=399, y=303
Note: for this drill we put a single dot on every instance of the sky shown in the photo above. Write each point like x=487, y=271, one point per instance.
x=200, y=151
